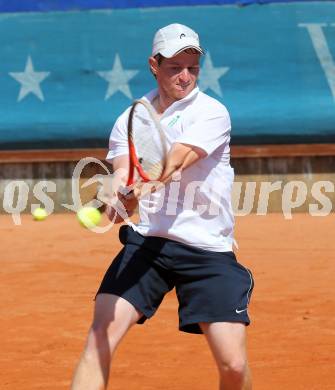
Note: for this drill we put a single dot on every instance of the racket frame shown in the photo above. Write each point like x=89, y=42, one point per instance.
x=134, y=162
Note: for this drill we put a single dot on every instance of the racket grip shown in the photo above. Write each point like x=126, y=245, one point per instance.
x=125, y=191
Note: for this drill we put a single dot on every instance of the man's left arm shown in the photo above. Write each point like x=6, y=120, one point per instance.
x=198, y=141
x=179, y=158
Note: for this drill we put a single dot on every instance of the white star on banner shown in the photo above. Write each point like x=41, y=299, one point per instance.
x=209, y=76
x=118, y=79
x=30, y=81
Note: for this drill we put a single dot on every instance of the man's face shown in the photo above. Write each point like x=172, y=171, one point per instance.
x=177, y=76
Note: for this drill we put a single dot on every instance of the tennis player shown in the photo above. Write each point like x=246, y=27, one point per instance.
x=187, y=242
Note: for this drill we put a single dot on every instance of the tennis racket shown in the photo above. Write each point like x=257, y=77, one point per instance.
x=147, y=146
x=146, y=143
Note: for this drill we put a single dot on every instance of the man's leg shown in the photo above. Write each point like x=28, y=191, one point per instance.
x=113, y=316
x=227, y=342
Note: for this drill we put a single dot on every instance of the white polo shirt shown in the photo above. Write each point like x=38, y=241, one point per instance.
x=195, y=208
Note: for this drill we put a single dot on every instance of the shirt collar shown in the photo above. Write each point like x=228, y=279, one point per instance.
x=192, y=95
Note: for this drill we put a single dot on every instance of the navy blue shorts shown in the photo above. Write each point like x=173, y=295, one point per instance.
x=210, y=286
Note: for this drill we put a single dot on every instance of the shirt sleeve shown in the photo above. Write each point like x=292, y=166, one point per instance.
x=208, y=133
x=118, y=142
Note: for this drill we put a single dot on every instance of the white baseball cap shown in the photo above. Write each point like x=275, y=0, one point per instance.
x=174, y=38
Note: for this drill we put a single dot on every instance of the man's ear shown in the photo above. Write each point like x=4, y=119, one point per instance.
x=153, y=65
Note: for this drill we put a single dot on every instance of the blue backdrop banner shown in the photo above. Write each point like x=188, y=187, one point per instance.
x=66, y=76
x=63, y=5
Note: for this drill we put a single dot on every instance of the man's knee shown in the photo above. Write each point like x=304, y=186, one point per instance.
x=97, y=340
x=102, y=336
x=234, y=368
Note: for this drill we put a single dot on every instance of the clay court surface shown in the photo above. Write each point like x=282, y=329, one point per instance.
x=50, y=271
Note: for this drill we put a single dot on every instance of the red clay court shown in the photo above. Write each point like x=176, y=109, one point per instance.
x=51, y=270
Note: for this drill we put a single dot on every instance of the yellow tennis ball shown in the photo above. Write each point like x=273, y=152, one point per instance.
x=39, y=214
x=89, y=217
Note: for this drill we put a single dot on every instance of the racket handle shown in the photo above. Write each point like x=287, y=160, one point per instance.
x=127, y=190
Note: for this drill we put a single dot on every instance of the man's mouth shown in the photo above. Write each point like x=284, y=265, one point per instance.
x=184, y=86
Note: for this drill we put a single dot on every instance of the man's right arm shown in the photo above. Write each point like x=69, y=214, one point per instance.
x=120, y=166
x=118, y=157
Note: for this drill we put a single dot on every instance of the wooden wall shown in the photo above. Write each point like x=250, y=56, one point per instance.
x=291, y=170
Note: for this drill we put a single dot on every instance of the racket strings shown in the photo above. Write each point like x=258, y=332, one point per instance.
x=148, y=144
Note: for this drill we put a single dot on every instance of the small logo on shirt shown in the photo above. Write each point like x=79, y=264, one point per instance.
x=174, y=121
x=240, y=311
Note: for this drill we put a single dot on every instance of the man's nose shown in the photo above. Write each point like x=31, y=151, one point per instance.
x=184, y=74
